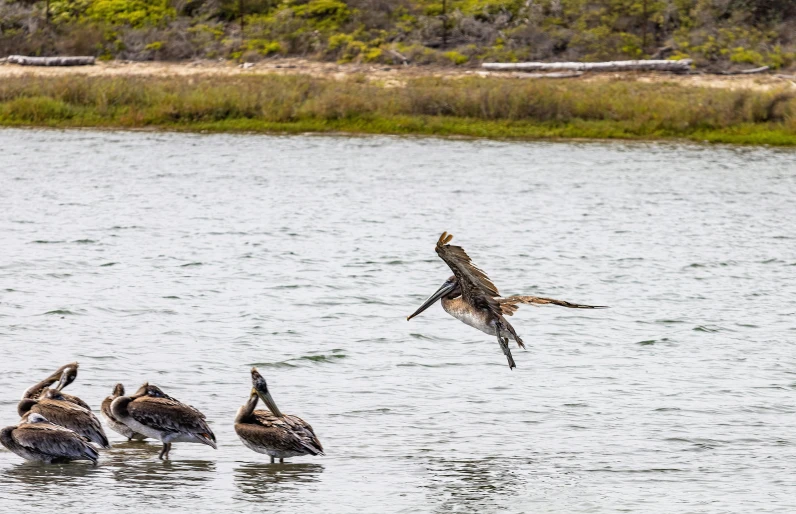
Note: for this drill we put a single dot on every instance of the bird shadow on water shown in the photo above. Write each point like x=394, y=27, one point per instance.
x=271, y=481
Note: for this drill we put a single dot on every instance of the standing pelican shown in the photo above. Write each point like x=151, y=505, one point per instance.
x=39, y=440
x=271, y=432
x=153, y=413
x=55, y=408
x=473, y=299
x=116, y=425
x=64, y=375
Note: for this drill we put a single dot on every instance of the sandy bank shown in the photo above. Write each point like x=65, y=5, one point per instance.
x=389, y=75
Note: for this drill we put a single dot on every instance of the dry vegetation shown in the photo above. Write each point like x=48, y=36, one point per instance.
x=473, y=106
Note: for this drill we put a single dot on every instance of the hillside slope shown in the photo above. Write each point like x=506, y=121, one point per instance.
x=716, y=33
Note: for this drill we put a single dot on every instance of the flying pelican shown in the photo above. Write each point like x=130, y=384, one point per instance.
x=473, y=299
x=116, y=425
x=39, y=440
x=153, y=413
x=64, y=375
x=271, y=432
x=55, y=408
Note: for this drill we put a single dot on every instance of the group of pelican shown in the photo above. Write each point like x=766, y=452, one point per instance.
x=57, y=427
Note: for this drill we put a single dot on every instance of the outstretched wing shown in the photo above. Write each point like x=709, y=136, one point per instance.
x=477, y=289
x=472, y=279
x=510, y=304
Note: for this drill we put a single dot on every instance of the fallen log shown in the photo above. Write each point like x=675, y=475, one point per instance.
x=679, y=66
x=745, y=72
x=555, y=75
x=51, y=61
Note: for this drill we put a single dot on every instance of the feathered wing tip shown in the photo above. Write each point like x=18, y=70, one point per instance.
x=444, y=239
x=207, y=438
x=91, y=453
x=313, y=446
x=509, y=305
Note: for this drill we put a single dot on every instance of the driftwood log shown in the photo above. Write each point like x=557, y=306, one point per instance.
x=679, y=66
x=51, y=61
x=555, y=75
x=745, y=72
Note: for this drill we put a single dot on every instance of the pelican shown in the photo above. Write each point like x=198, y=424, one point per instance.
x=39, y=440
x=55, y=408
x=271, y=432
x=153, y=413
x=64, y=375
x=116, y=425
x=473, y=299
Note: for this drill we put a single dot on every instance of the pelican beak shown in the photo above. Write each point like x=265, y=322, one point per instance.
x=265, y=396
x=63, y=381
x=442, y=291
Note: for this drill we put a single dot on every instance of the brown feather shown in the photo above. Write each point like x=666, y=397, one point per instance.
x=509, y=305
x=73, y=417
x=169, y=415
x=286, y=433
x=52, y=442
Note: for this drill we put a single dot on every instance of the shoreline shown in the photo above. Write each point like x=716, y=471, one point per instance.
x=442, y=102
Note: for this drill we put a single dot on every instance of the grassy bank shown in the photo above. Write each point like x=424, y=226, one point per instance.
x=479, y=107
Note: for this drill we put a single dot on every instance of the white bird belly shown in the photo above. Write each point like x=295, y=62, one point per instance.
x=143, y=429
x=462, y=311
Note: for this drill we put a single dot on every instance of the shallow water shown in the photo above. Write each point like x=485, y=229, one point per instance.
x=186, y=259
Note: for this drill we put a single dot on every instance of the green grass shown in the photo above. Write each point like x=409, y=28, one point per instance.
x=478, y=107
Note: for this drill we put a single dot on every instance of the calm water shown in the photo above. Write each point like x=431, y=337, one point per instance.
x=186, y=259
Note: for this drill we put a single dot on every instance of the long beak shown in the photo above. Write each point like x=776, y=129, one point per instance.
x=62, y=380
x=269, y=402
x=442, y=291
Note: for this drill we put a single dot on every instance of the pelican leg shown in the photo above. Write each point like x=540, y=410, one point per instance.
x=504, y=345
x=164, y=453
x=281, y=461
x=272, y=459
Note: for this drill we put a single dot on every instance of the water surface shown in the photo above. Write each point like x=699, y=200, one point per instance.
x=186, y=259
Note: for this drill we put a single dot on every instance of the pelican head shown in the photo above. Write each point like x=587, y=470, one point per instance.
x=150, y=390
x=450, y=289
x=261, y=388
x=37, y=418
x=52, y=394
x=68, y=374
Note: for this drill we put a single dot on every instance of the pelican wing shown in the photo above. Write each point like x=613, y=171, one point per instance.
x=286, y=433
x=509, y=305
x=472, y=279
x=169, y=415
x=77, y=401
x=53, y=441
x=73, y=417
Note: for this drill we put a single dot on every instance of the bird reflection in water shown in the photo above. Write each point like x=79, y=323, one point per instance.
x=270, y=481
x=487, y=482
x=175, y=473
x=36, y=474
